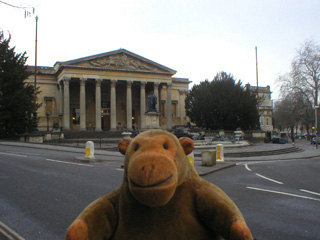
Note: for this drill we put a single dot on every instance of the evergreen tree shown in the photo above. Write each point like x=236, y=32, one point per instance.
x=222, y=104
x=16, y=97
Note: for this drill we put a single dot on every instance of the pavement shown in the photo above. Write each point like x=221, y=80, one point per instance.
x=107, y=153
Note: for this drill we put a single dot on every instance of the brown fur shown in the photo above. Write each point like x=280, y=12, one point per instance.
x=161, y=197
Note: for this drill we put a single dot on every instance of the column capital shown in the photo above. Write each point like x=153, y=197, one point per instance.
x=98, y=82
x=156, y=84
x=129, y=83
x=83, y=81
x=113, y=82
x=169, y=84
x=181, y=92
x=66, y=81
x=143, y=84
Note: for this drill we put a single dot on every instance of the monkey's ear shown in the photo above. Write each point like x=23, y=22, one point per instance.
x=187, y=144
x=123, y=145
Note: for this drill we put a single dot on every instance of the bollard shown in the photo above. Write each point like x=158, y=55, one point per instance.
x=208, y=158
x=220, y=153
x=191, y=158
x=89, y=149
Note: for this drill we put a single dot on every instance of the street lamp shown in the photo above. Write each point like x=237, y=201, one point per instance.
x=60, y=117
x=47, y=115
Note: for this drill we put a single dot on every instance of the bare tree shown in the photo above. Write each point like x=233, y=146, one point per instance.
x=294, y=111
x=305, y=72
x=304, y=77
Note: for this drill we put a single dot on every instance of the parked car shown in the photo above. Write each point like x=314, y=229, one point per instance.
x=179, y=132
x=278, y=140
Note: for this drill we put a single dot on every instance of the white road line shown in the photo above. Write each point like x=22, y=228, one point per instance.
x=247, y=167
x=79, y=164
x=11, y=154
x=36, y=154
x=9, y=230
x=283, y=193
x=120, y=169
x=303, y=190
x=268, y=178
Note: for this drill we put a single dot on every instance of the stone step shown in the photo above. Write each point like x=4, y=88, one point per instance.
x=260, y=153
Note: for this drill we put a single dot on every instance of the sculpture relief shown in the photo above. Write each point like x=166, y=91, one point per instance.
x=122, y=61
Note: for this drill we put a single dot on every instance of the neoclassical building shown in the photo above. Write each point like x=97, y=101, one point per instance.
x=265, y=106
x=108, y=92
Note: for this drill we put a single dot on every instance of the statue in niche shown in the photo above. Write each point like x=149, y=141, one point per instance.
x=152, y=102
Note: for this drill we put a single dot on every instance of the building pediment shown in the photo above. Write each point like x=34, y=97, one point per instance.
x=120, y=60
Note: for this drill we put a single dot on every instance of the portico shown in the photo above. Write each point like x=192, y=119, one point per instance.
x=108, y=92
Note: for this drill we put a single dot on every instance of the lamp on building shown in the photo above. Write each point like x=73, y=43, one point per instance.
x=47, y=115
x=60, y=117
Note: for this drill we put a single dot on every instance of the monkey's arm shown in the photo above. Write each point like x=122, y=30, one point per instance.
x=97, y=221
x=218, y=212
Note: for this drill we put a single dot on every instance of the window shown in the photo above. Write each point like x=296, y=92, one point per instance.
x=76, y=116
x=50, y=106
x=261, y=120
x=174, y=105
x=267, y=121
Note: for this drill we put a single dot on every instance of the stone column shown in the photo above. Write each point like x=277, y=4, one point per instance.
x=66, y=102
x=129, y=105
x=169, y=107
x=143, y=104
x=156, y=93
x=83, y=121
x=181, y=104
x=113, y=105
x=98, y=105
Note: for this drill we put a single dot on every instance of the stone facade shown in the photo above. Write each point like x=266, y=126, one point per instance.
x=265, y=106
x=108, y=92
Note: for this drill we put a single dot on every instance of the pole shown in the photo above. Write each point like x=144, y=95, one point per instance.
x=35, y=119
x=257, y=78
x=316, y=124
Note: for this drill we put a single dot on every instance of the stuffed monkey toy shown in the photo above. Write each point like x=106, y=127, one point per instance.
x=161, y=197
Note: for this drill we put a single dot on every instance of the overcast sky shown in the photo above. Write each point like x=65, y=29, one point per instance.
x=197, y=38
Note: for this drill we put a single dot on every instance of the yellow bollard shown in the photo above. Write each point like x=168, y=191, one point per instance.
x=191, y=158
x=220, y=154
x=89, y=149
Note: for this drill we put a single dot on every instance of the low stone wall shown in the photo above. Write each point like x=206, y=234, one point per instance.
x=41, y=137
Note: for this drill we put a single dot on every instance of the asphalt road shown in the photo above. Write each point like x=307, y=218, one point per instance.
x=280, y=199
x=42, y=191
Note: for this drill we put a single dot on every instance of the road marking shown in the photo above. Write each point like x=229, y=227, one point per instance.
x=9, y=233
x=120, y=169
x=283, y=193
x=247, y=167
x=11, y=154
x=268, y=178
x=79, y=164
x=310, y=192
x=267, y=161
x=36, y=154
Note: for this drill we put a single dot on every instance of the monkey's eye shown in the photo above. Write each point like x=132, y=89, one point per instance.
x=136, y=147
x=165, y=146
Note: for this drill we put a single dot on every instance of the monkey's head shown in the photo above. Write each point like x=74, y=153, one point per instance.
x=155, y=164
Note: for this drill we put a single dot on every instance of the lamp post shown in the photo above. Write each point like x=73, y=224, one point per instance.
x=35, y=118
x=60, y=117
x=47, y=115
x=316, y=124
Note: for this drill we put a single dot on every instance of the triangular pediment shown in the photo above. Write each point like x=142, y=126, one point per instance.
x=120, y=60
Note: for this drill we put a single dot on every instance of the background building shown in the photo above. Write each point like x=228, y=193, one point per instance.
x=265, y=106
x=108, y=92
